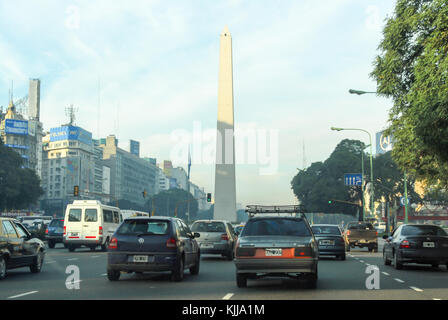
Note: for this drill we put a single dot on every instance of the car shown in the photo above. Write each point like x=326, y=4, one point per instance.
x=18, y=249
x=90, y=223
x=330, y=240
x=278, y=246
x=361, y=234
x=153, y=244
x=238, y=229
x=55, y=232
x=414, y=243
x=217, y=237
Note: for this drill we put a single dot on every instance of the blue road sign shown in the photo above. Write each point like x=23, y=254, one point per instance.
x=353, y=179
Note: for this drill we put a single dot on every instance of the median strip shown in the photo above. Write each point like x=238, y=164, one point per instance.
x=22, y=294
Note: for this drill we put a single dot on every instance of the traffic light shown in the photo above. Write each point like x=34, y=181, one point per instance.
x=76, y=191
x=144, y=194
x=329, y=201
x=209, y=197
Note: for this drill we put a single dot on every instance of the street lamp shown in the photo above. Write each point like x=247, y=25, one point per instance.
x=371, y=161
x=360, y=92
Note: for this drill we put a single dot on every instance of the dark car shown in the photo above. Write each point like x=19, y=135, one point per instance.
x=55, y=232
x=149, y=244
x=278, y=246
x=330, y=240
x=413, y=243
x=217, y=237
x=18, y=249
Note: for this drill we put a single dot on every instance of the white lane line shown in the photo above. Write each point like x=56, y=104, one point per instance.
x=22, y=294
x=362, y=261
x=48, y=262
x=228, y=296
x=104, y=274
x=385, y=273
x=399, y=280
x=94, y=256
x=416, y=289
x=436, y=299
x=72, y=259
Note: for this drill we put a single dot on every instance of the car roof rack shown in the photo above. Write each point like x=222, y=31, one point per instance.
x=252, y=210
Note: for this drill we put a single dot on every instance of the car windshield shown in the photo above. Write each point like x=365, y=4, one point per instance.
x=208, y=227
x=276, y=227
x=136, y=227
x=361, y=226
x=423, y=231
x=326, y=230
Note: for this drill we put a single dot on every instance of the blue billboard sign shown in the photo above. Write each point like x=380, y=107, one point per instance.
x=135, y=147
x=19, y=127
x=70, y=133
x=353, y=179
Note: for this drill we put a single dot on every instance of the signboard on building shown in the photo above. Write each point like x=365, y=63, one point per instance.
x=71, y=133
x=19, y=127
x=173, y=183
x=134, y=147
x=383, y=143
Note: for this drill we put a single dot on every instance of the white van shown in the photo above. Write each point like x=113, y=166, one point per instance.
x=133, y=213
x=90, y=223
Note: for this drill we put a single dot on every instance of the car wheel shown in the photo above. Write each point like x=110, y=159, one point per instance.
x=241, y=280
x=342, y=257
x=178, y=273
x=397, y=263
x=435, y=265
x=51, y=244
x=71, y=248
x=113, y=275
x=195, y=269
x=37, y=265
x=2, y=268
x=385, y=260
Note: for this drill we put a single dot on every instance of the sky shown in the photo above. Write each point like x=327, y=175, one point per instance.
x=148, y=71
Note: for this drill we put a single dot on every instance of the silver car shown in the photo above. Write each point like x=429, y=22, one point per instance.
x=216, y=237
x=276, y=246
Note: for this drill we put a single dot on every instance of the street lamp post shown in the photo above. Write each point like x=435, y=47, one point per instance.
x=372, y=210
x=360, y=92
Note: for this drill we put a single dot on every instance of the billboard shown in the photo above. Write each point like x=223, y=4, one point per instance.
x=383, y=143
x=71, y=133
x=19, y=127
x=134, y=147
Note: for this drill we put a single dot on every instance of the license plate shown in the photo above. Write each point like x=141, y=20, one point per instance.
x=428, y=245
x=327, y=242
x=74, y=234
x=206, y=245
x=141, y=259
x=273, y=252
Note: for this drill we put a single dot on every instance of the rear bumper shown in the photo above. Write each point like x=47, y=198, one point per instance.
x=424, y=255
x=248, y=265
x=119, y=261
x=82, y=242
x=55, y=238
x=217, y=249
x=362, y=243
x=331, y=251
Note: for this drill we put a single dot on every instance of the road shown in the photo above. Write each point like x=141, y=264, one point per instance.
x=338, y=280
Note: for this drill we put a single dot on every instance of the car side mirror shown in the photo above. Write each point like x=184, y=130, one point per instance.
x=196, y=234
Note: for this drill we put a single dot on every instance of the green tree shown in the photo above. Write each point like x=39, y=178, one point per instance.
x=412, y=69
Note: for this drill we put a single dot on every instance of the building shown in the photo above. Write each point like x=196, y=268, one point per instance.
x=162, y=181
x=130, y=175
x=181, y=177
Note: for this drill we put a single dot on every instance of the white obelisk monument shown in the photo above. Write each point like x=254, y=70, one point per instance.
x=225, y=191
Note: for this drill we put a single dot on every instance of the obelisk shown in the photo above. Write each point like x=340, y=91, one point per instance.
x=225, y=191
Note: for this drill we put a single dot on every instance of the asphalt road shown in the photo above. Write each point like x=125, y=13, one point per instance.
x=338, y=280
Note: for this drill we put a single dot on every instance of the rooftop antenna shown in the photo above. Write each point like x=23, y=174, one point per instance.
x=70, y=112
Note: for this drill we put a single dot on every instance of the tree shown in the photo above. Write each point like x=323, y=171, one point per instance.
x=324, y=181
x=412, y=69
x=166, y=203
x=19, y=187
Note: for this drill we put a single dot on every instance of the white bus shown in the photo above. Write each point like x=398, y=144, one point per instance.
x=90, y=223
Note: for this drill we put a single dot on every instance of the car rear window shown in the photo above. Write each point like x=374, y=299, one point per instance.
x=74, y=215
x=147, y=227
x=276, y=227
x=326, y=230
x=361, y=226
x=208, y=227
x=90, y=215
x=423, y=231
x=57, y=223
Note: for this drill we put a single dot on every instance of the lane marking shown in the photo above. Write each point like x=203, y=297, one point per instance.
x=48, y=262
x=399, y=280
x=73, y=282
x=436, y=299
x=385, y=273
x=72, y=259
x=228, y=296
x=94, y=256
x=104, y=274
x=22, y=294
x=362, y=261
x=416, y=289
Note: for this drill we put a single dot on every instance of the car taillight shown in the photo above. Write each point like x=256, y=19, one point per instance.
x=46, y=231
x=302, y=252
x=245, y=252
x=348, y=232
x=224, y=236
x=405, y=244
x=100, y=230
x=113, y=244
x=65, y=230
x=171, y=243
x=377, y=233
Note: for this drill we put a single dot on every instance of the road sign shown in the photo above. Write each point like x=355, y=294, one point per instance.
x=353, y=179
x=403, y=202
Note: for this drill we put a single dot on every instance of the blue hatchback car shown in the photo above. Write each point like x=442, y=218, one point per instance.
x=150, y=244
